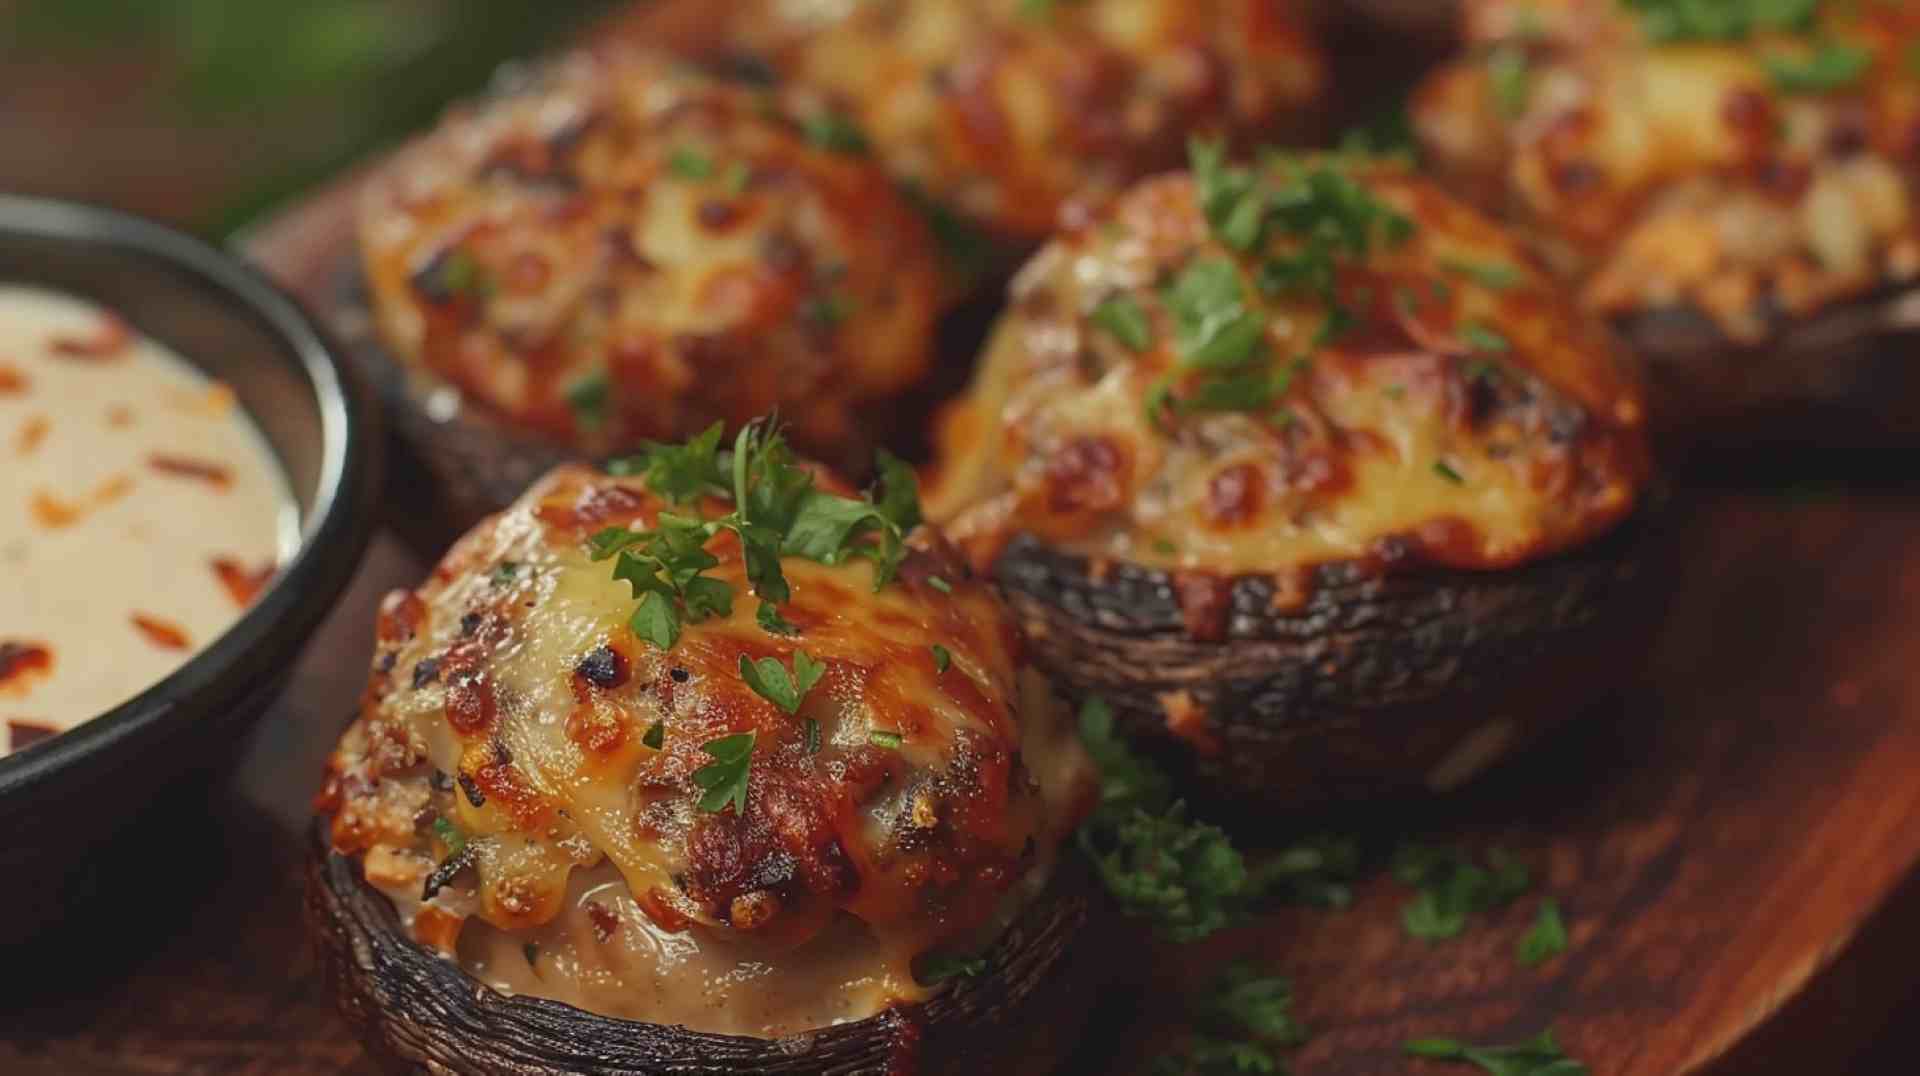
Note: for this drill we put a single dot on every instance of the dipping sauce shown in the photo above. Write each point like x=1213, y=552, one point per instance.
x=140, y=513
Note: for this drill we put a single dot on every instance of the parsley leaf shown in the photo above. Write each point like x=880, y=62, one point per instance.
x=885, y=738
x=1509, y=79
x=1547, y=938
x=1495, y=276
x=942, y=658
x=1726, y=20
x=1453, y=889
x=1123, y=318
x=937, y=968
x=1212, y=325
x=450, y=835
x=680, y=473
x=769, y=680
x=656, y=735
x=834, y=132
x=1445, y=470
x=587, y=398
x=1538, y=1056
x=724, y=780
x=1830, y=66
x=1239, y=1025
x=1480, y=338
x=688, y=163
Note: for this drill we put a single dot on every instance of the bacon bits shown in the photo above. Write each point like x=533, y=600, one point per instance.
x=243, y=584
x=214, y=474
x=24, y=734
x=22, y=662
x=161, y=633
x=109, y=340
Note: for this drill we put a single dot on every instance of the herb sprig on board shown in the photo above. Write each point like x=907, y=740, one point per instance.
x=1538, y=1056
x=1240, y=1025
x=777, y=512
x=1185, y=876
x=1727, y=20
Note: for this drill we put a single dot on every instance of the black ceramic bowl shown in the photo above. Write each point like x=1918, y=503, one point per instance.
x=68, y=805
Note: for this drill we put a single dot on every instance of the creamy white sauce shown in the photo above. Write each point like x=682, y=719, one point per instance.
x=126, y=475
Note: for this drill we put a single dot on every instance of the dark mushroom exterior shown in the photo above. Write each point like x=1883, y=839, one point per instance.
x=617, y=250
x=559, y=839
x=1003, y=112
x=1737, y=196
x=1311, y=472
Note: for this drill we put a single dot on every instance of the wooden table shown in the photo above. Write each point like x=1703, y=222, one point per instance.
x=1731, y=836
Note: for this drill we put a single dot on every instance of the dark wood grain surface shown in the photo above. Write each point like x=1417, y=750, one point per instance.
x=1730, y=832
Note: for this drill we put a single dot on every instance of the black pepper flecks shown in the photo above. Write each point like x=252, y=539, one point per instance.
x=474, y=795
x=426, y=672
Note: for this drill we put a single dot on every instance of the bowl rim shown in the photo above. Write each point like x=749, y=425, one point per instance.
x=333, y=534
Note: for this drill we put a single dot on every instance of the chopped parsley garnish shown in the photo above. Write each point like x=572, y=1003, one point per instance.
x=450, y=835
x=1538, y=1056
x=504, y=572
x=813, y=736
x=656, y=736
x=736, y=178
x=769, y=680
x=587, y=398
x=1509, y=79
x=885, y=738
x=777, y=512
x=1453, y=889
x=690, y=163
x=942, y=658
x=1185, y=876
x=1480, y=338
x=1485, y=370
x=939, y=584
x=1125, y=321
x=829, y=310
x=1445, y=470
x=1724, y=20
x=1212, y=325
x=724, y=780
x=1496, y=276
x=530, y=950
x=937, y=968
x=1546, y=938
x=458, y=274
x=967, y=250
x=1830, y=66
x=1240, y=1026
x=832, y=131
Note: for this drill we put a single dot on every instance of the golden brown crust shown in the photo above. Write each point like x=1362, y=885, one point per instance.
x=624, y=250
x=1468, y=417
x=1757, y=181
x=512, y=705
x=1007, y=109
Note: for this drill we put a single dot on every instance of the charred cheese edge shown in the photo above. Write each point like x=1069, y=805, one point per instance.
x=1455, y=423
x=511, y=704
x=625, y=250
x=1007, y=109
x=1692, y=173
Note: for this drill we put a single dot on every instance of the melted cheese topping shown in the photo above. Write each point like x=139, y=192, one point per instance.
x=512, y=702
x=1691, y=174
x=1005, y=109
x=623, y=250
x=140, y=512
x=1408, y=435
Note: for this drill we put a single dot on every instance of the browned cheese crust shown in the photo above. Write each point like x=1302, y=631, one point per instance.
x=1754, y=182
x=1466, y=416
x=1006, y=109
x=622, y=250
x=523, y=774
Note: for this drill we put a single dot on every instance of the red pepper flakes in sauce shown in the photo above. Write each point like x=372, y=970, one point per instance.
x=33, y=432
x=24, y=734
x=53, y=512
x=243, y=584
x=161, y=633
x=119, y=416
x=110, y=340
x=12, y=381
x=214, y=474
x=20, y=661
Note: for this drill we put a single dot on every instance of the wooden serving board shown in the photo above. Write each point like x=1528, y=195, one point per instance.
x=1730, y=836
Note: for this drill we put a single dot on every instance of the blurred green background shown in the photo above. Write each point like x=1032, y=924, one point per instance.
x=206, y=113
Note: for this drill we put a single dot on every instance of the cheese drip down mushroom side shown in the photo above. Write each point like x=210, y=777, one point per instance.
x=791, y=817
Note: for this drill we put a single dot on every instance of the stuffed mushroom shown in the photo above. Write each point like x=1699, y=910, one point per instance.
x=1003, y=111
x=1733, y=186
x=621, y=250
x=709, y=768
x=1309, y=468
